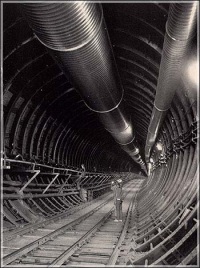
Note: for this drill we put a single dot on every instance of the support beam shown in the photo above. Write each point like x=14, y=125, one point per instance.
x=56, y=175
x=30, y=180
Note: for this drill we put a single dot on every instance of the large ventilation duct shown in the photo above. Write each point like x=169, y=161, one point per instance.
x=76, y=35
x=179, y=31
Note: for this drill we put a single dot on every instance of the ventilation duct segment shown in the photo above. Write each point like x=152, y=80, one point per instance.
x=76, y=36
x=179, y=31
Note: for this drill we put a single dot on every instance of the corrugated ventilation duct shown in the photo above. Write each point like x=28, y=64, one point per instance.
x=76, y=35
x=179, y=31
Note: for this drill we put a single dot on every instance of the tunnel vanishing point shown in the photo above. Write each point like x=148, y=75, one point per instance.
x=92, y=93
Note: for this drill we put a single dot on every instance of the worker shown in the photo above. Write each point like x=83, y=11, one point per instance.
x=119, y=200
x=78, y=181
x=113, y=188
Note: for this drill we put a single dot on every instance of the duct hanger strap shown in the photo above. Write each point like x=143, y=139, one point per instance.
x=123, y=138
x=64, y=26
x=128, y=143
x=135, y=152
x=109, y=110
x=160, y=110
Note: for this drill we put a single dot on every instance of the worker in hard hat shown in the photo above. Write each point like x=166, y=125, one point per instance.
x=113, y=188
x=78, y=183
x=119, y=200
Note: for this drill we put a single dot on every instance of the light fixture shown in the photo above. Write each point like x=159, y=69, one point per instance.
x=193, y=72
x=151, y=160
x=149, y=168
x=159, y=146
x=190, y=70
x=128, y=131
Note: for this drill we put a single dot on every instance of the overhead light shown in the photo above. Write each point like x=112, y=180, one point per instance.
x=151, y=160
x=190, y=70
x=149, y=169
x=136, y=151
x=128, y=131
x=159, y=146
x=193, y=72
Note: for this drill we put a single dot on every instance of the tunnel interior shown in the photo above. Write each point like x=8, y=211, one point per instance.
x=49, y=132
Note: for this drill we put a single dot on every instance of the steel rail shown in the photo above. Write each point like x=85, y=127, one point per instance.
x=18, y=253
x=26, y=249
x=114, y=256
x=67, y=253
x=44, y=223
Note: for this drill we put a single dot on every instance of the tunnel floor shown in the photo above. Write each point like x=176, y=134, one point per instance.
x=89, y=236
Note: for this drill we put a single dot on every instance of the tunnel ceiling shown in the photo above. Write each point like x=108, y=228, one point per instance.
x=46, y=120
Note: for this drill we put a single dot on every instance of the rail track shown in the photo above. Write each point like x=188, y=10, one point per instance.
x=88, y=237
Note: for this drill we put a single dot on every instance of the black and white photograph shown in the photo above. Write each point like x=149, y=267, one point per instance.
x=99, y=134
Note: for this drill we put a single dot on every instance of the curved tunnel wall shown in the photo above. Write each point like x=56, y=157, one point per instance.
x=45, y=118
x=46, y=121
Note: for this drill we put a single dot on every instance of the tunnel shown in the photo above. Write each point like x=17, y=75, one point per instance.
x=93, y=94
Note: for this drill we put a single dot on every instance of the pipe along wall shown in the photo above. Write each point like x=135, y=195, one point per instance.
x=76, y=35
x=180, y=28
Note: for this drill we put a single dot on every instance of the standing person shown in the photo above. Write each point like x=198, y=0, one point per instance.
x=113, y=188
x=119, y=200
x=80, y=177
x=78, y=181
